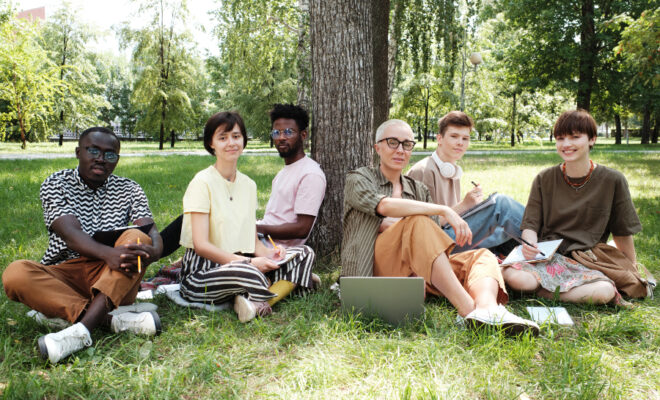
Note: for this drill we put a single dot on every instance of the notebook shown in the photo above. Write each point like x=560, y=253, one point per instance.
x=489, y=201
x=550, y=315
x=393, y=299
x=548, y=248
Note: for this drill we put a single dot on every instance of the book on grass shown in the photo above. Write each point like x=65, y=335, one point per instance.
x=489, y=201
x=109, y=238
x=550, y=315
x=548, y=248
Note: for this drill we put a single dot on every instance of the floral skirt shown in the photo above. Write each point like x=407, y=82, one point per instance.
x=561, y=272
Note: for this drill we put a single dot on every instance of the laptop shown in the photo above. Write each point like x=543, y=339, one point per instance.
x=394, y=299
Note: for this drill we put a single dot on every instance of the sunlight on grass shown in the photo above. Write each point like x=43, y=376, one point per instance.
x=308, y=349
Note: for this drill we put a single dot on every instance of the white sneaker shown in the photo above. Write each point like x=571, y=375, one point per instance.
x=54, y=323
x=146, y=323
x=501, y=317
x=244, y=308
x=55, y=346
x=135, y=307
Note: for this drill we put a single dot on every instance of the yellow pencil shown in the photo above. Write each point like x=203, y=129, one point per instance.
x=139, y=261
x=273, y=243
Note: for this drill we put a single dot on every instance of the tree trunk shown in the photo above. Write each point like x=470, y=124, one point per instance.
x=513, y=121
x=303, y=54
x=172, y=138
x=426, y=117
x=654, y=135
x=161, y=137
x=393, y=45
x=380, y=22
x=617, y=132
x=646, y=124
x=588, y=55
x=342, y=90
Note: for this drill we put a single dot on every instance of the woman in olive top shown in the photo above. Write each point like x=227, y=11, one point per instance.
x=224, y=260
x=582, y=203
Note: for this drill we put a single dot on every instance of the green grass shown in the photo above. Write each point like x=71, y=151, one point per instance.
x=307, y=348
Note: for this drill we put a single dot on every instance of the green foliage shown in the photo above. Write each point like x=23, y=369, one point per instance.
x=257, y=67
x=167, y=70
x=29, y=82
x=65, y=38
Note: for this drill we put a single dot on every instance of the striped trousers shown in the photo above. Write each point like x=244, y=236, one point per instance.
x=206, y=281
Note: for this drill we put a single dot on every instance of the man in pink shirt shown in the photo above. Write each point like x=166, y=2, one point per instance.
x=298, y=189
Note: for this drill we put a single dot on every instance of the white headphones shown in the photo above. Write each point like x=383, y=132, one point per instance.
x=448, y=170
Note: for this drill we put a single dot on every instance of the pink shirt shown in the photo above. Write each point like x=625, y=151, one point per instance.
x=298, y=188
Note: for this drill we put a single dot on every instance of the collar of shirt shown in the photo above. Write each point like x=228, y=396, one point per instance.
x=407, y=184
x=83, y=186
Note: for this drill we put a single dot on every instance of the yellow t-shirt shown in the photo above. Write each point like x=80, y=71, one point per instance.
x=231, y=207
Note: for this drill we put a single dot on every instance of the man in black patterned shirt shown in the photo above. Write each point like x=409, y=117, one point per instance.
x=80, y=279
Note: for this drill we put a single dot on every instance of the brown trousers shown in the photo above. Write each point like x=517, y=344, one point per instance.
x=65, y=290
x=616, y=266
x=409, y=247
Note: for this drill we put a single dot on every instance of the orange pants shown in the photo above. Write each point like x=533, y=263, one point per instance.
x=409, y=247
x=65, y=290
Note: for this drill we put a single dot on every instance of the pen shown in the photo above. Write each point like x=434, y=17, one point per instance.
x=475, y=184
x=523, y=241
x=139, y=261
x=273, y=243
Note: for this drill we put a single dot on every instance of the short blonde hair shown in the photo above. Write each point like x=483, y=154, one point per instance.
x=390, y=122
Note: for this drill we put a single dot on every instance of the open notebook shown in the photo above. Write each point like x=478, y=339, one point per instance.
x=548, y=248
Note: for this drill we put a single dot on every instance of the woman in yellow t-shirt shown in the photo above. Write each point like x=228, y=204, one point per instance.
x=224, y=258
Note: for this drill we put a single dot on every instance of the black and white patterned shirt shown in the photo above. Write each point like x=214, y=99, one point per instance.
x=119, y=202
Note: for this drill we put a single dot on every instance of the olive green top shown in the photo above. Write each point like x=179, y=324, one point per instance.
x=364, y=189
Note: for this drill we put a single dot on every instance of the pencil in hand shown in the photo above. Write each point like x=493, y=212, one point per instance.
x=139, y=260
x=273, y=243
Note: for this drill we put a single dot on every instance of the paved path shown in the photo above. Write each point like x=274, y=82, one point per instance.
x=39, y=156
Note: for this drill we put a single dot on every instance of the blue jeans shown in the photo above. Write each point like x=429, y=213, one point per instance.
x=488, y=225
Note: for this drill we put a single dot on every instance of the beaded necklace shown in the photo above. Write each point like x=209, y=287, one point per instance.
x=577, y=185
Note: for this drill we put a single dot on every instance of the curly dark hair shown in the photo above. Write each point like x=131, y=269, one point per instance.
x=290, y=111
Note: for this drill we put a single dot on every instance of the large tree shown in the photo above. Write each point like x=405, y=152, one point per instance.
x=165, y=68
x=66, y=40
x=563, y=42
x=261, y=44
x=342, y=44
x=29, y=81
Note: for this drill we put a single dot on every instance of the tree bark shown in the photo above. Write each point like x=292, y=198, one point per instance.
x=172, y=138
x=513, y=121
x=646, y=124
x=654, y=135
x=342, y=104
x=588, y=55
x=380, y=23
x=303, y=54
x=617, y=131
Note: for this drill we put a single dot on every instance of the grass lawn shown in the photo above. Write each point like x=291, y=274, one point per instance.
x=307, y=348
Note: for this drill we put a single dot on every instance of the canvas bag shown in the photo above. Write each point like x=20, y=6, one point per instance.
x=616, y=266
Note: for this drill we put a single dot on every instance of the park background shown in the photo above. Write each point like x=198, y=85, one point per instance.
x=512, y=65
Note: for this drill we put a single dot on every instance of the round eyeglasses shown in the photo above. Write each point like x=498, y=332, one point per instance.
x=109, y=156
x=287, y=133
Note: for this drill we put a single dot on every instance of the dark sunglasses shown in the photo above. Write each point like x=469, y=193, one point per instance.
x=393, y=143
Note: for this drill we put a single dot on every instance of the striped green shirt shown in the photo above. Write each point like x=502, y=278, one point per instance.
x=364, y=189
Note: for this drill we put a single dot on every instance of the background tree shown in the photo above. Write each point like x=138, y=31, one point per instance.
x=28, y=81
x=259, y=42
x=66, y=39
x=165, y=65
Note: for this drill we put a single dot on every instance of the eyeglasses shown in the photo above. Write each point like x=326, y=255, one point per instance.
x=393, y=143
x=109, y=156
x=287, y=133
